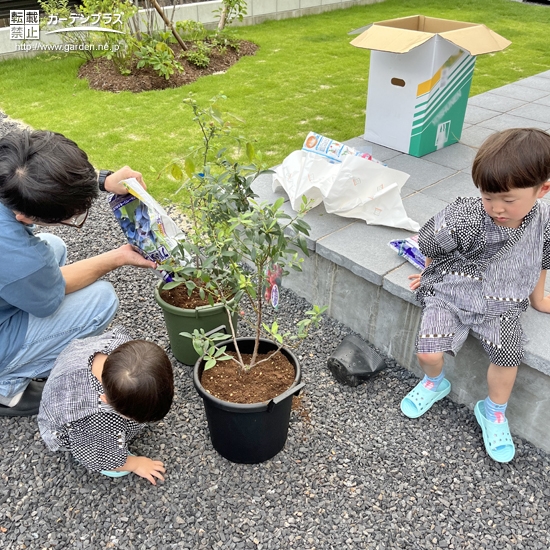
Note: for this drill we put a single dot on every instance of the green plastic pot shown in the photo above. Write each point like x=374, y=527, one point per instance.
x=187, y=320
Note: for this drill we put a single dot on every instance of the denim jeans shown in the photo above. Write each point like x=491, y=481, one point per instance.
x=86, y=312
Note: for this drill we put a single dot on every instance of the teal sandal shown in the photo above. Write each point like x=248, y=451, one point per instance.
x=113, y=473
x=420, y=399
x=496, y=436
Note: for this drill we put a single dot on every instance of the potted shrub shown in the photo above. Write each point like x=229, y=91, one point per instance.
x=246, y=423
x=214, y=187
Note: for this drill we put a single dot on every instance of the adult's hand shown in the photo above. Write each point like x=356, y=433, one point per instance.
x=85, y=272
x=112, y=182
x=130, y=257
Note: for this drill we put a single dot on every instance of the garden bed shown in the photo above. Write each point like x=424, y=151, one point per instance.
x=103, y=75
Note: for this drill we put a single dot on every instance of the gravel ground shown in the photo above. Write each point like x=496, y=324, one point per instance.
x=355, y=473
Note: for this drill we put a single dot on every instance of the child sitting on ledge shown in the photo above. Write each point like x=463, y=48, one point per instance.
x=484, y=258
x=101, y=392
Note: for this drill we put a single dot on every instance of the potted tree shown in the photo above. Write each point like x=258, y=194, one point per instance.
x=214, y=187
x=247, y=384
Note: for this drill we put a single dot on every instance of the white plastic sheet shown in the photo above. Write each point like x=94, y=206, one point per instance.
x=354, y=188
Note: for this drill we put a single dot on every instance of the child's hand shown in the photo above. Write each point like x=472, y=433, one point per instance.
x=415, y=280
x=145, y=467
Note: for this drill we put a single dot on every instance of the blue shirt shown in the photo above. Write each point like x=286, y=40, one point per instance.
x=30, y=282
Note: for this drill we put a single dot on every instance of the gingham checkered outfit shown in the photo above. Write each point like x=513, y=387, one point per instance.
x=73, y=417
x=480, y=278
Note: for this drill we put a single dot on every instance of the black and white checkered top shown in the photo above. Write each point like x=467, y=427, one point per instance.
x=73, y=417
x=479, y=266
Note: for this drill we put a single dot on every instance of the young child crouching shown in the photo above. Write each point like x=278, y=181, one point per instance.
x=101, y=392
x=484, y=258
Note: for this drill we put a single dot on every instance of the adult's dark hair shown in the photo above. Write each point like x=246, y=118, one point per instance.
x=512, y=159
x=138, y=381
x=45, y=176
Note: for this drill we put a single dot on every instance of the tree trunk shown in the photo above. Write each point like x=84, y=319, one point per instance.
x=168, y=23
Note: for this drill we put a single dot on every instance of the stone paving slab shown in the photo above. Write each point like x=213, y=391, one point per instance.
x=494, y=102
x=363, y=250
x=519, y=91
x=534, y=111
x=507, y=121
x=459, y=185
x=474, y=136
x=457, y=156
x=539, y=83
x=475, y=114
x=423, y=173
x=421, y=207
x=321, y=223
x=544, y=100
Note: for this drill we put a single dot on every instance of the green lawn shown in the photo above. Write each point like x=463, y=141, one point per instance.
x=304, y=77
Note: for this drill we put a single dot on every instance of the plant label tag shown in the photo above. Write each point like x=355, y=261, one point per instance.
x=275, y=296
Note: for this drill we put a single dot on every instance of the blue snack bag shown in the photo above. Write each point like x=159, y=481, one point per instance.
x=408, y=248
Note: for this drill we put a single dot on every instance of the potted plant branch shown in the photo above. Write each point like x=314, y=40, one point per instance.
x=214, y=187
x=245, y=425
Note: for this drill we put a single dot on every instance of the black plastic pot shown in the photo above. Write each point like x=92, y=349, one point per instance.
x=249, y=433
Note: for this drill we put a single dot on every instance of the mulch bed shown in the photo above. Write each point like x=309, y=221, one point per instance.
x=103, y=75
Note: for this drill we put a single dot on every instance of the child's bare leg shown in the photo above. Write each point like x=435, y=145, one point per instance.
x=501, y=381
x=431, y=363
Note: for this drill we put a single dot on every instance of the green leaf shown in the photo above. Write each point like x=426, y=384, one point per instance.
x=170, y=286
x=278, y=203
x=250, y=151
x=189, y=167
x=176, y=172
x=198, y=348
x=209, y=364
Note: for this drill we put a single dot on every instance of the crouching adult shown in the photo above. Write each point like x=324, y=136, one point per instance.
x=46, y=179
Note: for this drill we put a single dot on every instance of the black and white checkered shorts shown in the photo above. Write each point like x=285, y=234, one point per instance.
x=444, y=328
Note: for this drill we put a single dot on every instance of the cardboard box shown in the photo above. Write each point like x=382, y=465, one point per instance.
x=420, y=74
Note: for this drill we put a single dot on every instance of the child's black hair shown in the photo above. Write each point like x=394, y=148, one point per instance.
x=138, y=381
x=513, y=159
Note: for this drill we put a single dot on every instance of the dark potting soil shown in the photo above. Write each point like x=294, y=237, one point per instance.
x=228, y=381
x=179, y=297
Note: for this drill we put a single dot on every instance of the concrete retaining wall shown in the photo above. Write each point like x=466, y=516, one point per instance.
x=391, y=323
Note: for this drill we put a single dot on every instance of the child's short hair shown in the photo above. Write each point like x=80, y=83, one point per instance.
x=45, y=176
x=138, y=381
x=513, y=159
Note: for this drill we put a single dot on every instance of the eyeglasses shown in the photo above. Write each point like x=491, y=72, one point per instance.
x=76, y=221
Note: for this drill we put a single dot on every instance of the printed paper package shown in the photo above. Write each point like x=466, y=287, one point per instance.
x=147, y=226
